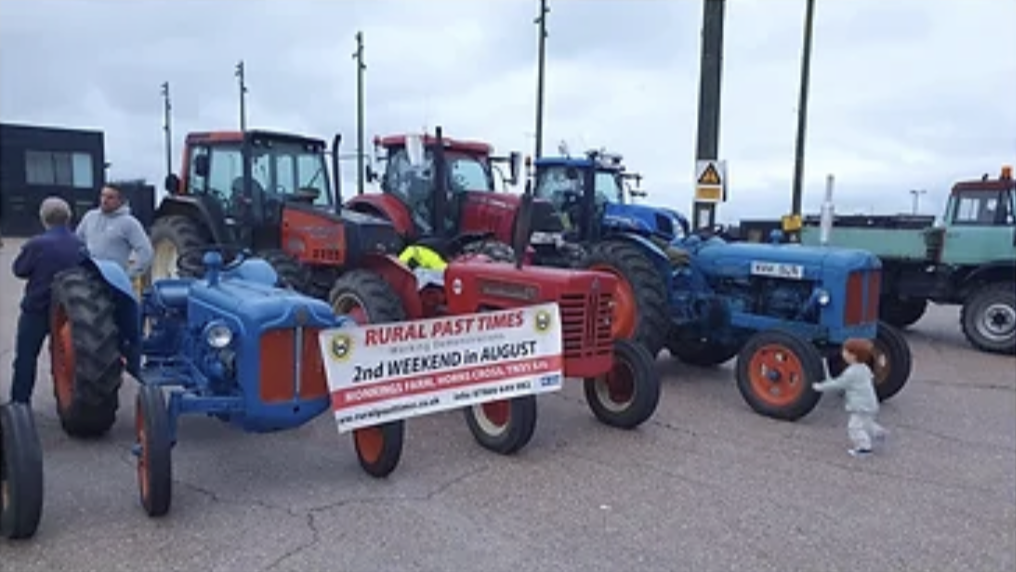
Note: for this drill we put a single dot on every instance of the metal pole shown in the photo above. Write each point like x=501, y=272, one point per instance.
x=360, y=68
x=541, y=22
x=711, y=74
x=166, y=126
x=917, y=199
x=802, y=109
x=240, y=74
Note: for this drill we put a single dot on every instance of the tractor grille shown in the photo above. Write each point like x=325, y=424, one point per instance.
x=863, y=291
x=585, y=323
x=278, y=366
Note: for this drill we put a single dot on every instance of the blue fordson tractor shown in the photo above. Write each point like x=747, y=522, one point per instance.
x=778, y=308
x=230, y=344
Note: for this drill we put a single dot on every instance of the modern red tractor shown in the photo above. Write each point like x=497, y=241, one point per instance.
x=269, y=193
x=470, y=210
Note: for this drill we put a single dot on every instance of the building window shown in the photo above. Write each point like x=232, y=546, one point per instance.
x=59, y=168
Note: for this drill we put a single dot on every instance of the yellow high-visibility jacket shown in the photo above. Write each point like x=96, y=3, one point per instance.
x=422, y=257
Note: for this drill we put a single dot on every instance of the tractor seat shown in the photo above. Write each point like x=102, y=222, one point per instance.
x=172, y=293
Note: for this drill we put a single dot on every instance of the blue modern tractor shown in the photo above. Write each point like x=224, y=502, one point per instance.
x=777, y=308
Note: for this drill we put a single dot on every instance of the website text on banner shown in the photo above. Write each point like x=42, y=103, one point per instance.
x=383, y=372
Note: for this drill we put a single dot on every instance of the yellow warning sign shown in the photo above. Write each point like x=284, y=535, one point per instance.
x=709, y=176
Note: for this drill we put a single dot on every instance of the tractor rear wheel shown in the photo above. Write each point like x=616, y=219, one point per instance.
x=291, y=273
x=640, y=312
x=699, y=352
x=775, y=371
x=154, y=450
x=504, y=426
x=21, y=477
x=367, y=299
x=902, y=313
x=988, y=318
x=628, y=395
x=171, y=236
x=87, y=365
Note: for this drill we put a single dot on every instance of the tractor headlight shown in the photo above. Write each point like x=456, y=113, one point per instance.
x=218, y=335
x=822, y=298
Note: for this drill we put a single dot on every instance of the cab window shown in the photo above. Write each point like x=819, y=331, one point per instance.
x=981, y=208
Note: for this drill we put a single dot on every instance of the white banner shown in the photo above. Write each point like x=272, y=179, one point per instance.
x=384, y=372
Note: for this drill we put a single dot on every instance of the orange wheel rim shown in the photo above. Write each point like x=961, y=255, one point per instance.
x=497, y=412
x=776, y=375
x=369, y=442
x=143, y=461
x=625, y=316
x=62, y=350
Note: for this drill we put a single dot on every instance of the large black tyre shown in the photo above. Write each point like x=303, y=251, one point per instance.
x=902, y=313
x=775, y=372
x=368, y=299
x=504, y=426
x=640, y=286
x=628, y=395
x=699, y=352
x=154, y=460
x=291, y=273
x=892, y=361
x=87, y=364
x=496, y=250
x=21, y=476
x=172, y=236
x=988, y=318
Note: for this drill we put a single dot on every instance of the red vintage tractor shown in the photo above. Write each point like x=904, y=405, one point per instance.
x=470, y=210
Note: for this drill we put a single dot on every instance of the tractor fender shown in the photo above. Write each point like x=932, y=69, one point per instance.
x=209, y=214
x=1000, y=271
x=128, y=314
x=656, y=254
x=399, y=277
x=386, y=207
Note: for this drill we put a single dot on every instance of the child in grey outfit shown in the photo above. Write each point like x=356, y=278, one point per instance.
x=857, y=384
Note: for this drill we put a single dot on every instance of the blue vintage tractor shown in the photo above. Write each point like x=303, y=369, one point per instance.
x=779, y=309
x=20, y=472
x=230, y=344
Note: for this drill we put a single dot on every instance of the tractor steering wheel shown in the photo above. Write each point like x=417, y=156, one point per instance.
x=707, y=233
x=240, y=254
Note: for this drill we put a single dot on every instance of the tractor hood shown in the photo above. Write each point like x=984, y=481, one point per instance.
x=260, y=307
x=640, y=219
x=736, y=260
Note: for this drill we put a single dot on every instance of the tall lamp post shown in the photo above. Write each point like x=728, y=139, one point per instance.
x=917, y=199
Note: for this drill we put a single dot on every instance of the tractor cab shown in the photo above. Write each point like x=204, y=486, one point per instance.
x=246, y=182
x=433, y=187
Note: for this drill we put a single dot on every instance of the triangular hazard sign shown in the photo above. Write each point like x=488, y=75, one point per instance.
x=709, y=176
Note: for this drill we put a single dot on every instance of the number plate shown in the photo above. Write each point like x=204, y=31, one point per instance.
x=546, y=238
x=777, y=270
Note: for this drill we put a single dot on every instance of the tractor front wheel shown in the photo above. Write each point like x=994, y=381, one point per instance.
x=154, y=450
x=775, y=371
x=892, y=361
x=366, y=298
x=291, y=273
x=379, y=448
x=86, y=361
x=902, y=313
x=172, y=236
x=504, y=426
x=21, y=490
x=626, y=396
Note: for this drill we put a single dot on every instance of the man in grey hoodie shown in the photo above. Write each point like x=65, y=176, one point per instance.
x=112, y=233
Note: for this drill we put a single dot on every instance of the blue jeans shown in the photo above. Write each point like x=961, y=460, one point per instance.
x=33, y=328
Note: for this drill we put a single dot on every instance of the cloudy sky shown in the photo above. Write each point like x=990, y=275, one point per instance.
x=905, y=94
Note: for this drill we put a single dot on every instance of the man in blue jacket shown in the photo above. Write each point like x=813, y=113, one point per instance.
x=41, y=259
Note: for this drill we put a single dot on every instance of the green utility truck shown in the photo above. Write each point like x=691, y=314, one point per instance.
x=969, y=259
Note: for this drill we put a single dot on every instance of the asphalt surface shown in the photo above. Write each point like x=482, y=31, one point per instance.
x=707, y=485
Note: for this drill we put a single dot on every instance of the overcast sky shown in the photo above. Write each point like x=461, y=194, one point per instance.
x=905, y=93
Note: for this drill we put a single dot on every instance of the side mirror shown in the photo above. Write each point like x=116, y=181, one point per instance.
x=514, y=166
x=371, y=174
x=172, y=184
x=414, y=150
x=201, y=165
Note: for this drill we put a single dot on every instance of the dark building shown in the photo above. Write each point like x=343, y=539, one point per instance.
x=37, y=162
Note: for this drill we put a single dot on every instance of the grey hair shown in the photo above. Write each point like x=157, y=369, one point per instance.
x=54, y=211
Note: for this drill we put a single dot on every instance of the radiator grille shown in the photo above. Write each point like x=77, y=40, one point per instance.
x=585, y=324
x=863, y=290
x=278, y=366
